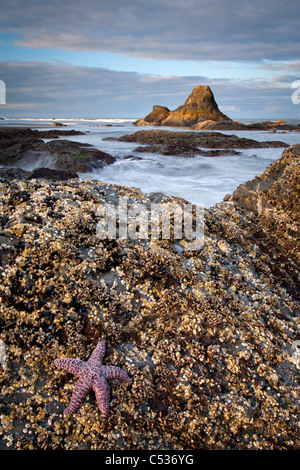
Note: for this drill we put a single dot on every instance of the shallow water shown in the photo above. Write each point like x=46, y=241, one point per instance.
x=200, y=180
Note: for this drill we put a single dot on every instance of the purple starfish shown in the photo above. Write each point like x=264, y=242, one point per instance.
x=91, y=374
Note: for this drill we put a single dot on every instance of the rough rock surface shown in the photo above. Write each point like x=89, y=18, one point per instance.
x=7, y=174
x=49, y=174
x=199, y=106
x=270, y=126
x=188, y=144
x=156, y=117
x=219, y=125
x=209, y=337
x=200, y=111
x=19, y=146
x=274, y=199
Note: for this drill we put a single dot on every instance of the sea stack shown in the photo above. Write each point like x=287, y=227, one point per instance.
x=200, y=106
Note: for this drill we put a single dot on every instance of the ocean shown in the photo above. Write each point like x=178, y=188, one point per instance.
x=200, y=180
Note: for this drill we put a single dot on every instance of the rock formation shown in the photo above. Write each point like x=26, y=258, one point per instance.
x=156, y=117
x=201, y=112
x=189, y=144
x=199, y=106
x=210, y=337
x=9, y=174
x=19, y=146
x=273, y=200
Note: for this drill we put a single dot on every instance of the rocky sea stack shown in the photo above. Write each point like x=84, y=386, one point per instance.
x=210, y=337
x=201, y=112
x=200, y=106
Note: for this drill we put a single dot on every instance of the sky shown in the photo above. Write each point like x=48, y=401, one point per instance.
x=118, y=58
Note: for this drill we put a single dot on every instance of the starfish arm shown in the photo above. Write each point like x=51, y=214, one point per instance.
x=98, y=353
x=101, y=389
x=74, y=366
x=79, y=392
x=112, y=372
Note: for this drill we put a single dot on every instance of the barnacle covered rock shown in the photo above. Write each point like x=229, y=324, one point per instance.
x=209, y=337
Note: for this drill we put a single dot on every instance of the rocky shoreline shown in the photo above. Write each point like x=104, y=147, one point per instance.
x=189, y=144
x=210, y=337
x=20, y=146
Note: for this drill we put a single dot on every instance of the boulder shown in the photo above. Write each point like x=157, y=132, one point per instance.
x=76, y=156
x=49, y=174
x=273, y=199
x=8, y=174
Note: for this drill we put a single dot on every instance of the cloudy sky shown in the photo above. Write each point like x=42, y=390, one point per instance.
x=117, y=58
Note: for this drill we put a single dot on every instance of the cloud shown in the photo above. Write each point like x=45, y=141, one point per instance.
x=292, y=67
x=19, y=106
x=160, y=29
x=47, y=90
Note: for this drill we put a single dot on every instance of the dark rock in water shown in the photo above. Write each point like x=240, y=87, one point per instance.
x=219, y=153
x=21, y=133
x=8, y=174
x=12, y=173
x=188, y=144
x=55, y=134
x=14, y=143
x=199, y=106
x=185, y=151
x=75, y=156
x=18, y=145
x=279, y=125
x=132, y=157
x=47, y=173
x=58, y=124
